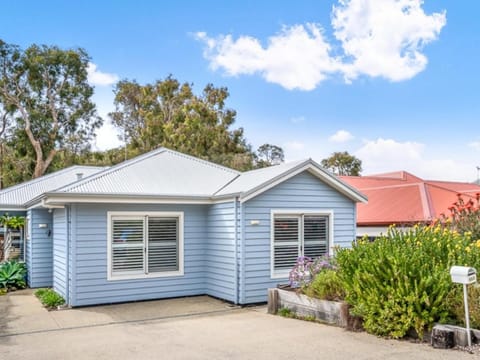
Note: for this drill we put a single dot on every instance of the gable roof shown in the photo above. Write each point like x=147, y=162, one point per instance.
x=164, y=174
x=17, y=196
x=252, y=183
x=159, y=172
x=403, y=198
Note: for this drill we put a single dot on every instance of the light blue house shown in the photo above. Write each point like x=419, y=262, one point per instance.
x=166, y=224
x=13, y=202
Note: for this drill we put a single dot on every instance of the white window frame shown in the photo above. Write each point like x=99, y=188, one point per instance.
x=137, y=214
x=275, y=274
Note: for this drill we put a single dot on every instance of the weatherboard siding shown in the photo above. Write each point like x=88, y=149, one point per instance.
x=40, y=249
x=220, y=251
x=89, y=258
x=60, y=275
x=301, y=192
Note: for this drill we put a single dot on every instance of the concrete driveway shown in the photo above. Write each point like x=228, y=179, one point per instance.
x=189, y=328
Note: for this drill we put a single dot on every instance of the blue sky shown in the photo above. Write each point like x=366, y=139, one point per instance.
x=393, y=82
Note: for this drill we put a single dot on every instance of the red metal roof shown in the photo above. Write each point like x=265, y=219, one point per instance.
x=403, y=198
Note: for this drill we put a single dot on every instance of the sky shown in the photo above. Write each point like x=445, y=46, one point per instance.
x=393, y=82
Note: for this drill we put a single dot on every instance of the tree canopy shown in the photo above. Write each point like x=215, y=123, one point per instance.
x=168, y=113
x=48, y=118
x=342, y=163
x=46, y=99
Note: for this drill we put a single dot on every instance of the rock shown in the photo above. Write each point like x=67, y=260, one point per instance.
x=443, y=337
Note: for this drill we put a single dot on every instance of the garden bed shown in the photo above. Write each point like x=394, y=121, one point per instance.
x=330, y=312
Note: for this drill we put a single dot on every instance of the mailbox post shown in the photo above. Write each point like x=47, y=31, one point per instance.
x=464, y=275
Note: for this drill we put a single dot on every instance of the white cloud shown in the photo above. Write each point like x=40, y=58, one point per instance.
x=297, y=119
x=385, y=37
x=387, y=155
x=107, y=137
x=475, y=145
x=378, y=38
x=96, y=77
x=341, y=136
x=296, y=58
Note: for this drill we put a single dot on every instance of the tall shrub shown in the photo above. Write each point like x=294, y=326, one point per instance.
x=465, y=216
x=401, y=281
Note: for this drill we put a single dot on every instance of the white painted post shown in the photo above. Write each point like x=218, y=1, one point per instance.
x=467, y=317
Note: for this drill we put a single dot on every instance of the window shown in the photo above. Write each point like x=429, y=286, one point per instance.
x=145, y=245
x=298, y=234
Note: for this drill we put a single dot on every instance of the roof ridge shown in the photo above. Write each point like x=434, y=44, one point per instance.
x=206, y=162
x=426, y=201
x=136, y=160
x=42, y=178
x=391, y=186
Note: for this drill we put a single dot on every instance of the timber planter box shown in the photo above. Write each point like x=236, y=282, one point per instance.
x=331, y=312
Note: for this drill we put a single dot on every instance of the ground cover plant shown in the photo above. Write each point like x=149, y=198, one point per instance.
x=49, y=298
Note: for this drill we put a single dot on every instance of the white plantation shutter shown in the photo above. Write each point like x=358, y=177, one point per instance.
x=127, y=245
x=297, y=235
x=286, y=242
x=162, y=244
x=145, y=244
x=315, y=236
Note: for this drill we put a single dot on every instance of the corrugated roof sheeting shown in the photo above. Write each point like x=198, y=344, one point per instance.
x=20, y=194
x=161, y=172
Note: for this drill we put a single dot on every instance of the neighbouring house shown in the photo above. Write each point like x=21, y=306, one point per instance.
x=404, y=199
x=13, y=202
x=165, y=224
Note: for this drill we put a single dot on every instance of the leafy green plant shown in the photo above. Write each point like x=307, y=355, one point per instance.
x=12, y=222
x=12, y=275
x=401, y=281
x=286, y=312
x=326, y=285
x=49, y=298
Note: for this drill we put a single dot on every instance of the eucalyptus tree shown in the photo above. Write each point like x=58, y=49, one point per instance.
x=46, y=90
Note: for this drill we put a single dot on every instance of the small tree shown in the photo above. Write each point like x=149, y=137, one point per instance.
x=268, y=155
x=343, y=164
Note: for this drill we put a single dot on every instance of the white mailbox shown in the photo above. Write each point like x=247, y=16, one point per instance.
x=463, y=274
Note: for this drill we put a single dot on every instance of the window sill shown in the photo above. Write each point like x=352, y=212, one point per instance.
x=144, y=276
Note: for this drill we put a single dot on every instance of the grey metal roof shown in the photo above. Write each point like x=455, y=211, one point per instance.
x=168, y=174
x=250, y=180
x=19, y=195
x=161, y=172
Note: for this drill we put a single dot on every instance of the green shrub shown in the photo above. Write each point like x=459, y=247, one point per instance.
x=12, y=275
x=401, y=281
x=326, y=285
x=457, y=309
x=49, y=298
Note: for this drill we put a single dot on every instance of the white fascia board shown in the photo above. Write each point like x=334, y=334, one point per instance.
x=13, y=208
x=327, y=178
x=61, y=199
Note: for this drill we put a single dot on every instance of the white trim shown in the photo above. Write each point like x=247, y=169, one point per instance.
x=138, y=214
x=329, y=179
x=119, y=199
x=283, y=274
x=12, y=209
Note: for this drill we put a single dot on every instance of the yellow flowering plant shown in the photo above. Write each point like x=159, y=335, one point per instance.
x=400, y=281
